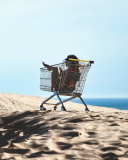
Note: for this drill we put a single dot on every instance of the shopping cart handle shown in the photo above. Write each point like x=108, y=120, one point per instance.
x=92, y=62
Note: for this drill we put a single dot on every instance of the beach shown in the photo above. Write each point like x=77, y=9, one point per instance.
x=28, y=133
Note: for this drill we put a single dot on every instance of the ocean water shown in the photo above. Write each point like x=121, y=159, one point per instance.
x=118, y=103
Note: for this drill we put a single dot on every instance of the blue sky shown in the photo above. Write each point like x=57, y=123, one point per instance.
x=32, y=31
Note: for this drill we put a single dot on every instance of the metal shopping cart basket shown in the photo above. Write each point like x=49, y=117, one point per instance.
x=65, y=79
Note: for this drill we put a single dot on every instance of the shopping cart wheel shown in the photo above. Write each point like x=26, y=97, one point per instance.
x=42, y=108
x=86, y=109
x=55, y=108
x=63, y=109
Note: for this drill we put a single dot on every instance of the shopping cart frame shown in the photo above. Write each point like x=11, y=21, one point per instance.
x=55, y=93
x=72, y=96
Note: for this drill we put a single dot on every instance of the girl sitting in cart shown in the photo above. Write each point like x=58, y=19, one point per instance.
x=65, y=80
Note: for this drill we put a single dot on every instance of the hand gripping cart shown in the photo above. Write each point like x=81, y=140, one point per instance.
x=65, y=79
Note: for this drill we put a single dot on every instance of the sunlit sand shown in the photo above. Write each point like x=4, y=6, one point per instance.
x=28, y=133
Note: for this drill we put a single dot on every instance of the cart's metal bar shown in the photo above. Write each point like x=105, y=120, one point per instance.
x=68, y=99
x=48, y=99
x=51, y=103
x=59, y=98
x=86, y=109
x=70, y=94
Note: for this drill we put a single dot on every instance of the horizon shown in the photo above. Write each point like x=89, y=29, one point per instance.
x=83, y=96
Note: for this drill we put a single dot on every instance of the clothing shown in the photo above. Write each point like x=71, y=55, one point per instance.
x=63, y=81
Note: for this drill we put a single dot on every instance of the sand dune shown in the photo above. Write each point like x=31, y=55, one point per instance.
x=28, y=133
x=17, y=102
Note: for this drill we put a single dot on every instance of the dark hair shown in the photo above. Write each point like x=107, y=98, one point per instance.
x=72, y=64
x=72, y=57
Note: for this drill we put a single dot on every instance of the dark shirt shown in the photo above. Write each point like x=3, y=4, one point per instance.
x=63, y=81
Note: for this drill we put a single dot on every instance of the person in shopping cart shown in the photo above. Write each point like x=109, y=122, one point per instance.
x=68, y=81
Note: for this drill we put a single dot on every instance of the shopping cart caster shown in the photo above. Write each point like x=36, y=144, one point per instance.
x=55, y=108
x=63, y=109
x=86, y=109
x=42, y=108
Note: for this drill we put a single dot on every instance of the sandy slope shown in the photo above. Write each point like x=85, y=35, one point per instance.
x=28, y=133
x=17, y=102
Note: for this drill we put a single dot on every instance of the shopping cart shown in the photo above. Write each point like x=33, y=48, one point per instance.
x=65, y=79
